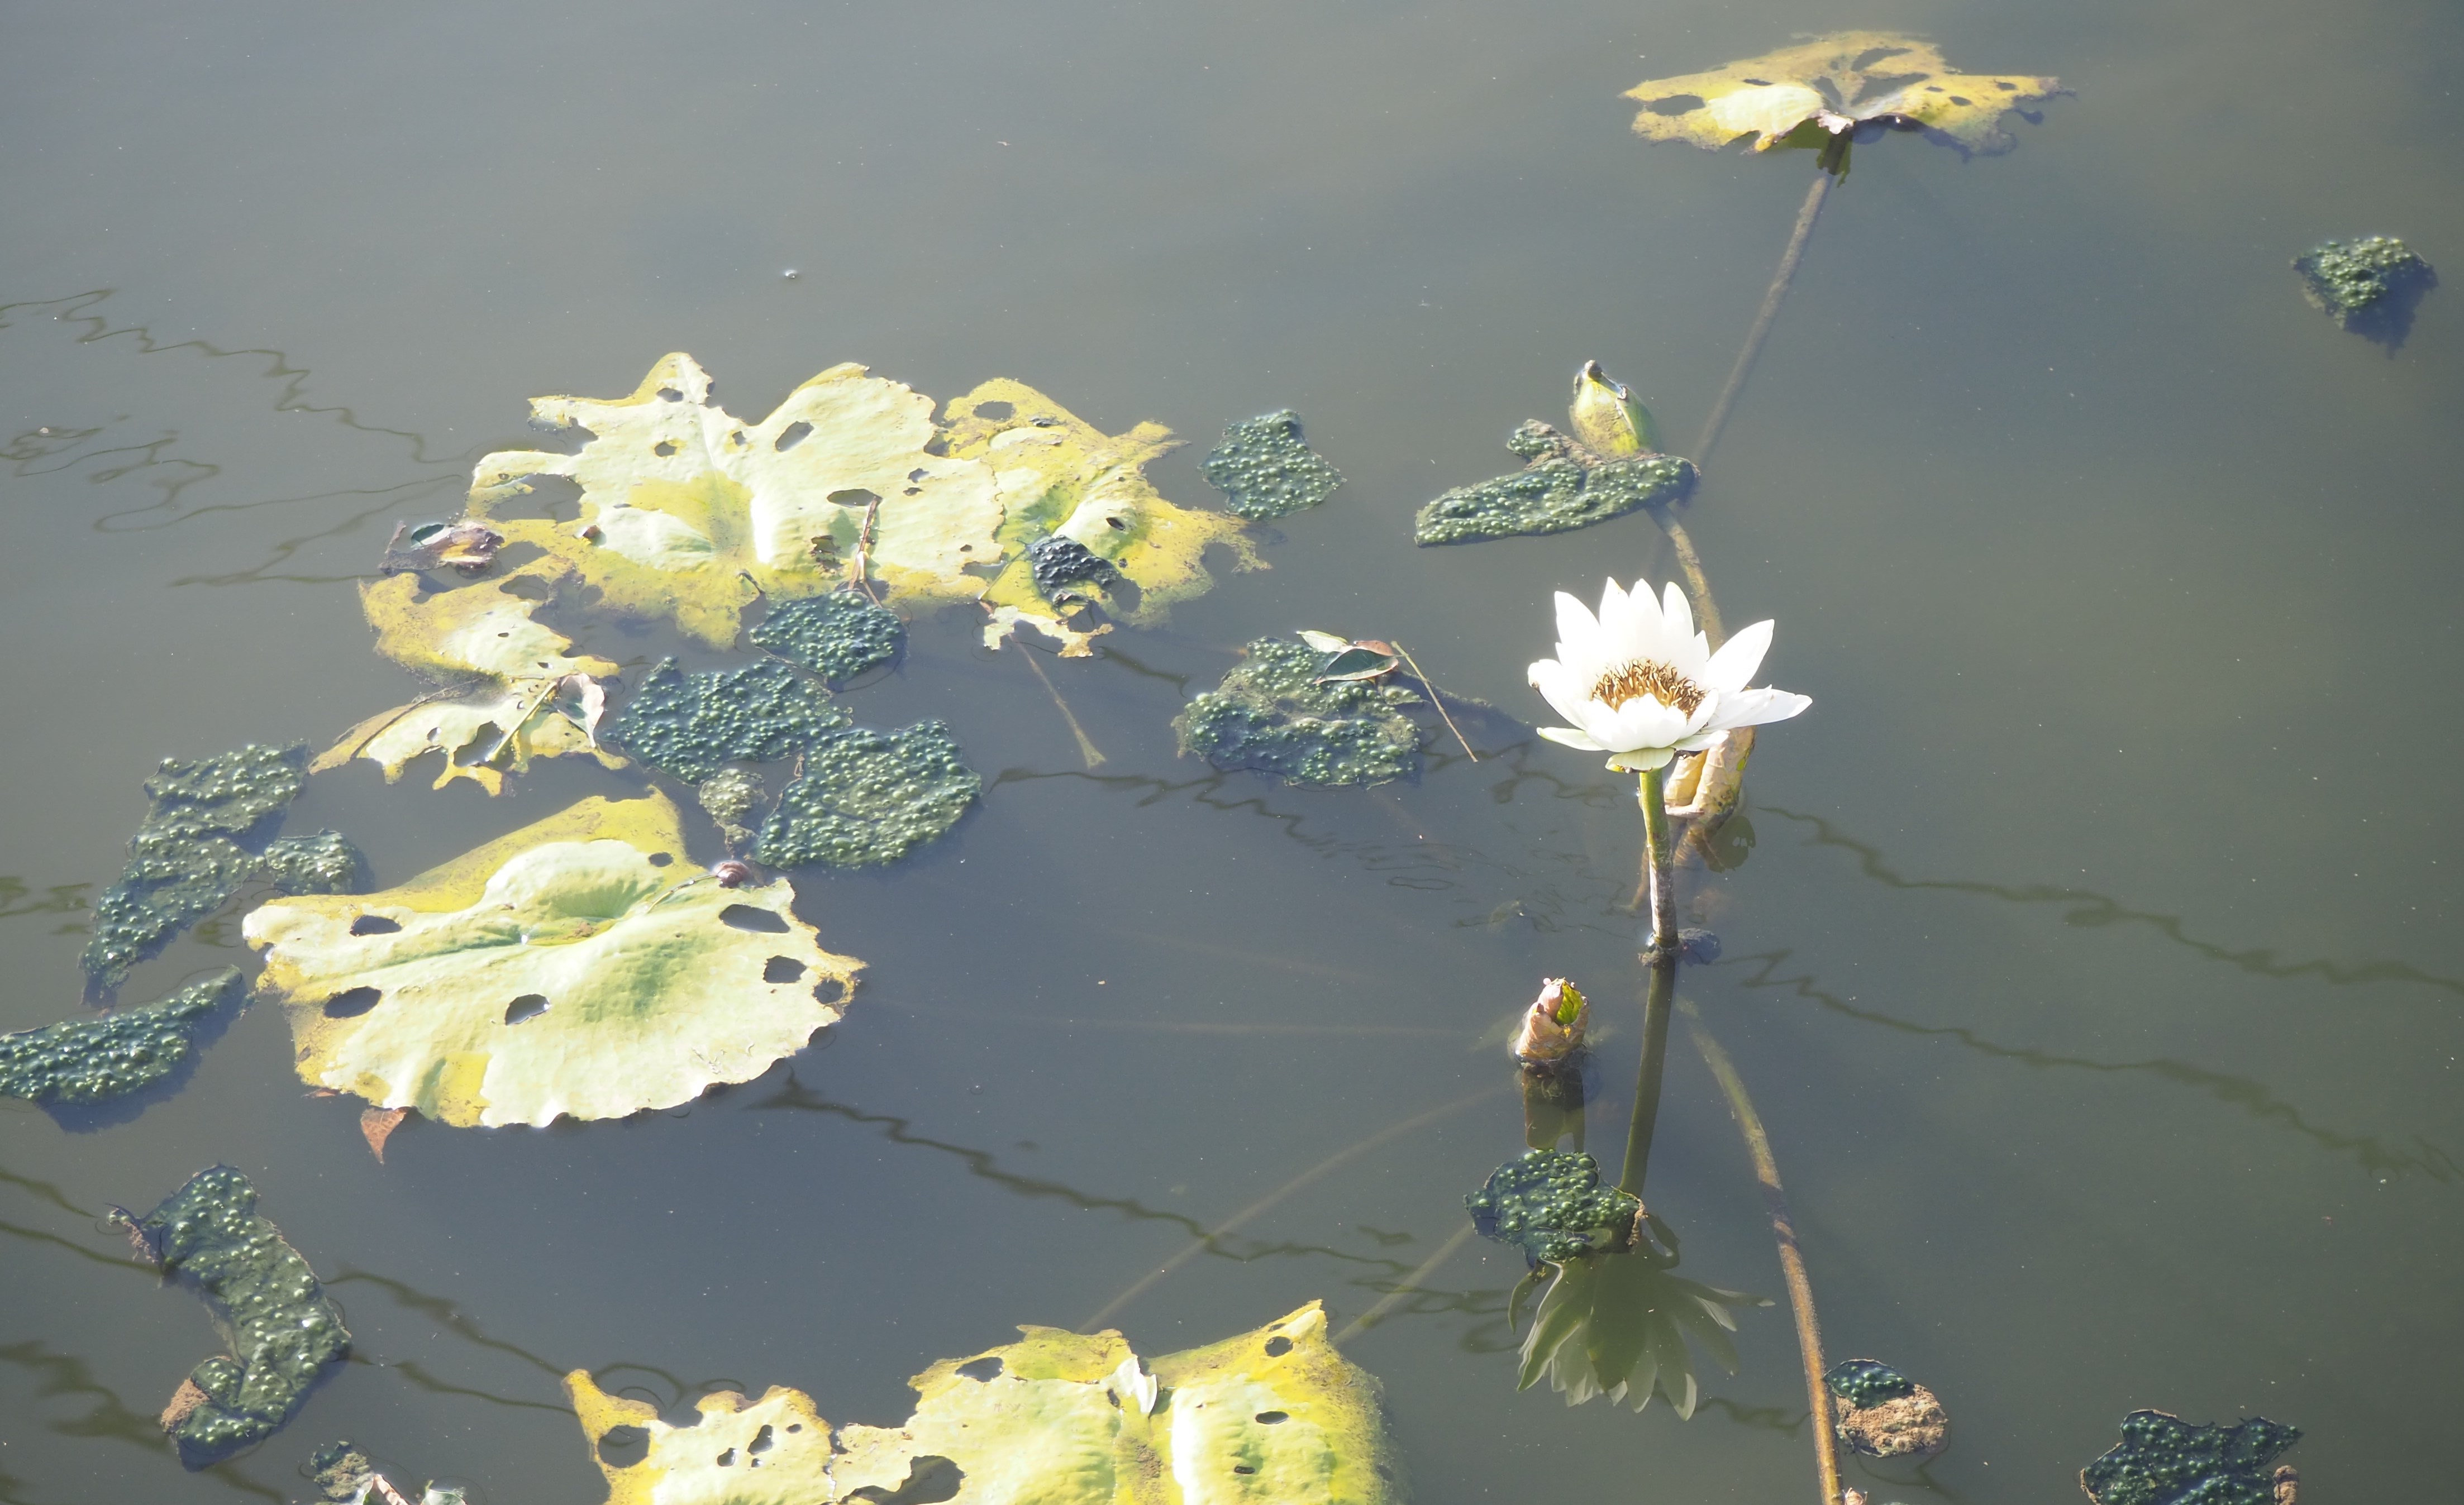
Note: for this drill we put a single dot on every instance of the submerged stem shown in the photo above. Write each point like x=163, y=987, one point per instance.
x=1663, y=861
x=1763, y=317
x=1087, y=748
x=1792, y=1259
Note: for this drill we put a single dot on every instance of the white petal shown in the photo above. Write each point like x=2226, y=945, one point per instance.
x=1643, y=722
x=1578, y=639
x=1757, y=707
x=1620, y=624
x=1733, y=666
x=1558, y=686
x=1571, y=739
x=1641, y=760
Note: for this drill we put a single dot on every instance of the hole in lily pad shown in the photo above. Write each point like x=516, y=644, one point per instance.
x=1278, y=1346
x=664, y=448
x=1273, y=1418
x=761, y=1440
x=623, y=1446
x=831, y=992
x=529, y=1006
x=662, y=858
x=373, y=925
x=783, y=969
x=727, y=1459
x=745, y=917
x=791, y=436
x=981, y=1369
x=929, y=1480
x=350, y=1005
x=1243, y=1468
x=669, y=394
x=998, y=412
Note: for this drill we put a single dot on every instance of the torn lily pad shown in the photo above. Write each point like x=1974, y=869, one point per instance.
x=1565, y=486
x=88, y=1060
x=1824, y=88
x=866, y=798
x=2368, y=286
x=1266, y=470
x=1885, y=1414
x=281, y=1326
x=1276, y=712
x=578, y=967
x=2165, y=1460
x=694, y=724
x=836, y=636
x=206, y=834
x=344, y=1475
x=1625, y=1325
x=1056, y=1418
x=1550, y=1204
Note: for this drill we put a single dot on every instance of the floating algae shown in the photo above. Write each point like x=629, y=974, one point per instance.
x=1550, y=1204
x=280, y=1324
x=2368, y=286
x=866, y=798
x=693, y=725
x=88, y=1060
x=2163, y=1459
x=1883, y=1413
x=1272, y=713
x=1266, y=470
x=1565, y=487
x=836, y=636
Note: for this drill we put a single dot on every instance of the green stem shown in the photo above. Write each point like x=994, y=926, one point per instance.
x=1663, y=861
x=1655, y=1001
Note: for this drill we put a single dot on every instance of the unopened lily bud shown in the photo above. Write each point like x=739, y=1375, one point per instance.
x=1552, y=1027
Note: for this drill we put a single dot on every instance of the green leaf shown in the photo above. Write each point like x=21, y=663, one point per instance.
x=578, y=967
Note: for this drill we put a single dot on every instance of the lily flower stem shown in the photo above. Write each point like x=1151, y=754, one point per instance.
x=1663, y=861
x=1659, y=995
x=1763, y=317
x=1438, y=700
x=1792, y=1258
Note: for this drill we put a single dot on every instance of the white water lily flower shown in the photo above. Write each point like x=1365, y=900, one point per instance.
x=1639, y=683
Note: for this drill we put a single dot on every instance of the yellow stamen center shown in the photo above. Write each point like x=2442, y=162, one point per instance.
x=1656, y=681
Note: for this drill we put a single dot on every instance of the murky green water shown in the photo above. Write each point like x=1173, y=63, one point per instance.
x=2095, y=968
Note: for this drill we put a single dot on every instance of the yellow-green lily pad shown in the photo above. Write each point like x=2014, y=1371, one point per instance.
x=1832, y=84
x=1057, y=1418
x=578, y=966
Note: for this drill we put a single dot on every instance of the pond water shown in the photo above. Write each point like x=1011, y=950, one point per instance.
x=2095, y=970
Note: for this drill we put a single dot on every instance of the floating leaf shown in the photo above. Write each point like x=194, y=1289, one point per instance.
x=462, y=544
x=576, y=967
x=2368, y=286
x=87, y=1060
x=1056, y=1418
x=1266, y=470
x=1624, y=1325
x=1550, y=1204
x=1832, y=86
x=1883, y=1413
x=694, y=724
x=838, y=636
x=866, y=798
x=281, y=1327
x=206, y=836
x=1565, y=486
x=2165, y=1460
x=1272, y=713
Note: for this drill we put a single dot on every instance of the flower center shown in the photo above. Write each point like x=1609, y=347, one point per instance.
x=1656, y=681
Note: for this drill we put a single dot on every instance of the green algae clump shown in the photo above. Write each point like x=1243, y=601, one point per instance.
x=2368, y=286
x=1266, y=470
x=206, y=836
x=324, y=863
x=1273, y=715
x=88, y=1060
x=1885, y=1414
x=838, y=636
x=1565, y=487
x=280, y=1324
x=693, y=725
x=866, y=798
x=1550, y=1204
x=2163, y=1459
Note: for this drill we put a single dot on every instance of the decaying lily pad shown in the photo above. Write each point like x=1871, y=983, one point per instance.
x=462, y=544
x=2368, y=286
x=281, y=1326
x=1566, y=485
x=346, y=1476
x=866, y=798
x=694, y=724
x=1272, y=713
x=1885, y=1414
x=1829, y=86
x=1266, y=470
x=1056, y=1418
x=580, y=966
x=87, y=1060
x=836, y=636
x=206, y=834
x=1550, y=1204
x=1625, y=1325
x=2165, y=1460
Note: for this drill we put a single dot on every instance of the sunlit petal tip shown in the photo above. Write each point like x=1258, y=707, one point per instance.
x=1571, y=739
x=1677, y=610
x=1733, y=666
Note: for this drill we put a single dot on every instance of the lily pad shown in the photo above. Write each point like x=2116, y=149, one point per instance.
x=1266, y=470
x=2165, y=1460
x=281, y=1326
x=1830, y=85
x=578, y=967
x=1275, y=712
x=208, y=834
x=1565, y=486
x=866, y=798
x=1550, y=1204
x=1056, y=1418
x=2368, y=286
x=694, y=724
x=88, y=1060
x=836, y=636
x=1626, y=1325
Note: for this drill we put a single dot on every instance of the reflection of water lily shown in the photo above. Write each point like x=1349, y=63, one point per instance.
x=1626, y=1324
x=1639, y=682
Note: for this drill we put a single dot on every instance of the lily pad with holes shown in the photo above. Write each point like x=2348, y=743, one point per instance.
x=2165, y=1460
x=281, y=1328
x=1266, y=468
x=1825, y=88
x=1274, y=712
x=694, y=724
x=1056, y=1418
x=838, y=636
x=89, y=1061
x=1551, y=1204
x=580, y=967
x=1562, y=486
x=867, y=797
